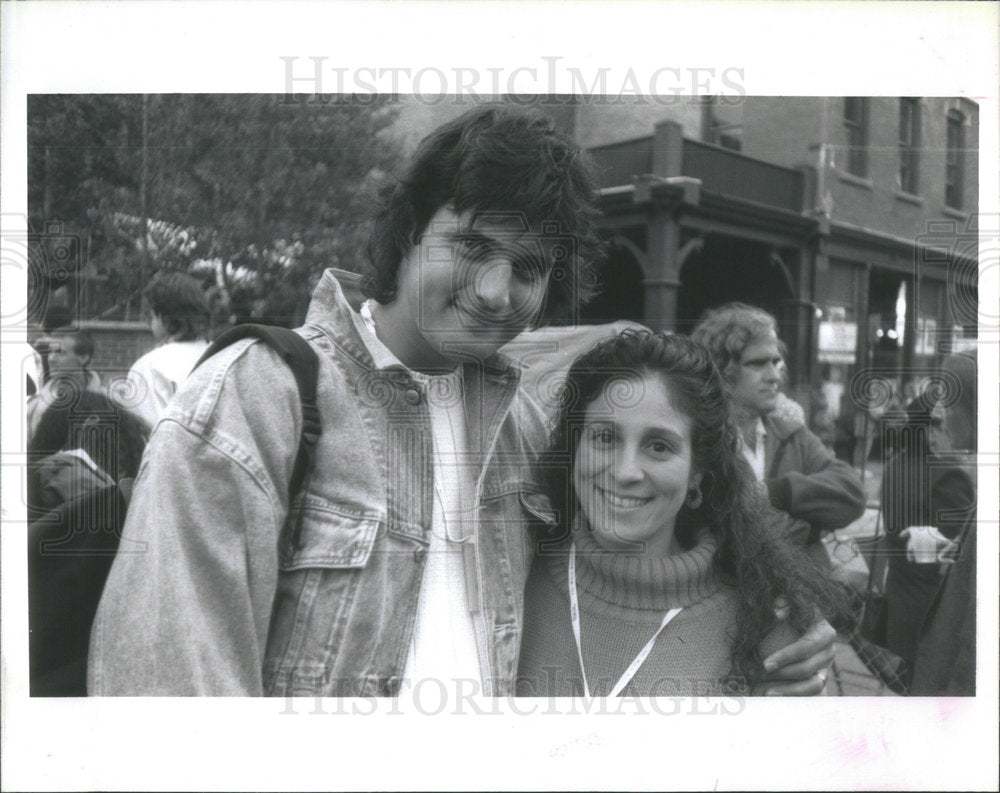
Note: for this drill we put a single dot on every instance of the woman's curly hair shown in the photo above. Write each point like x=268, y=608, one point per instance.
x=753, y=556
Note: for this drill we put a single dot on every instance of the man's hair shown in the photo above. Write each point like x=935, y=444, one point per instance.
x=181, y=304
x=502, y=159
x=82, y=341
x=728, y=330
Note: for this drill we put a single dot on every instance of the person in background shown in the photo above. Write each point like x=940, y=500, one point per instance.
x=667, y=563
x=80, y=460
x=802, y=477
x=945, y=658
x=67, y=352
x=180, y=321
x=919, y=490
x=89, y=442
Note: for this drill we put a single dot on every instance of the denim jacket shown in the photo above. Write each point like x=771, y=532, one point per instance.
x=213, y=597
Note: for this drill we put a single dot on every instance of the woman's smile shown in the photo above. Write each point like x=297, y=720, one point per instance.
x=623, y=502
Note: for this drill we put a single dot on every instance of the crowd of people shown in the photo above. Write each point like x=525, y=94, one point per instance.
x=85, y=444
x=660, y=534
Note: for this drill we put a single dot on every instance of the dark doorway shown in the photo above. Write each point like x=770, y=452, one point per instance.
x=721, y=270
x=621, y=292
x=889, y=295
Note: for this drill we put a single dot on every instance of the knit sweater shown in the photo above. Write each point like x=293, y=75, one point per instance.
x=623, y=599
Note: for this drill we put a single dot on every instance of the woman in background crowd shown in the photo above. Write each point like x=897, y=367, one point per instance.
x=81, y=458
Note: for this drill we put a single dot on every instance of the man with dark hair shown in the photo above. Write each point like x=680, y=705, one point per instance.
x=509, y=163
x=412, y=547
x=180, y=316
x=802, y=476
x=67, y=352
x=178, y=305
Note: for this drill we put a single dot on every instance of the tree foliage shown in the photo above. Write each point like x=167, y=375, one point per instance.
x=256, y=194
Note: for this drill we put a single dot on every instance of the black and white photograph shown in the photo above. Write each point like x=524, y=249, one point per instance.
x=369, y=403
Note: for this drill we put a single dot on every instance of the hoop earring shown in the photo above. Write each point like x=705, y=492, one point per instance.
x=693, y=500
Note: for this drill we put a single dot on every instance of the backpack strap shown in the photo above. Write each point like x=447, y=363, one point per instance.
x=304, y=363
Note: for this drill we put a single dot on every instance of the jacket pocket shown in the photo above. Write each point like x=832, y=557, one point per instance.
x=331, y=583
x=330, y=537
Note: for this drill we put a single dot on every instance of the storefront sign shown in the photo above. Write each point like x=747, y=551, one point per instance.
x=838, y=342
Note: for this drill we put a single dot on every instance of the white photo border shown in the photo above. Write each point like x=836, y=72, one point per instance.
x=778, y=48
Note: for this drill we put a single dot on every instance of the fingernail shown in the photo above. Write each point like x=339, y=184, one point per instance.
x=769, y=665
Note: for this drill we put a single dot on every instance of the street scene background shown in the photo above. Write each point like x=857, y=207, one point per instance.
x=850, y=219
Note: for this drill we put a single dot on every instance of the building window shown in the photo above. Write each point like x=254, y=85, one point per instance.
x=954, y=159
x=909, y=145
x=856, y=121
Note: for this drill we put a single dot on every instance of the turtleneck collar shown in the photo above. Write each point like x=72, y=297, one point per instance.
x=635, y=581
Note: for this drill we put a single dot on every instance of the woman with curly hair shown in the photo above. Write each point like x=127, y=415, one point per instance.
x=664, y=571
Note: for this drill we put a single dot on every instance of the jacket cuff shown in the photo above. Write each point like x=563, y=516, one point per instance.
x=779, y=490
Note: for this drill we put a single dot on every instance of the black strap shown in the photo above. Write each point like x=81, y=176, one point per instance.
x=304, y=363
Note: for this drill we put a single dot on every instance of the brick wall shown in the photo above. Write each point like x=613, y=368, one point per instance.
x=117, y=345
x=788, y=132
x=879, y=203
x=785, y=131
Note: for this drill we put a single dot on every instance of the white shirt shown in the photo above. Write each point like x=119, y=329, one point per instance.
x=755, y=456
x=154, y=378
x=443, y=648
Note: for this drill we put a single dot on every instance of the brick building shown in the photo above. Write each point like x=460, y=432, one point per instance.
x=117, y=345
x=852, y=219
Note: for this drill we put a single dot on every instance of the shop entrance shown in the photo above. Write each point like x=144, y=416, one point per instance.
x=889, y=296
x=719, y=269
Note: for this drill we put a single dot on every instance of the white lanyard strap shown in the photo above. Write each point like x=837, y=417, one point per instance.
x=574, y=613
